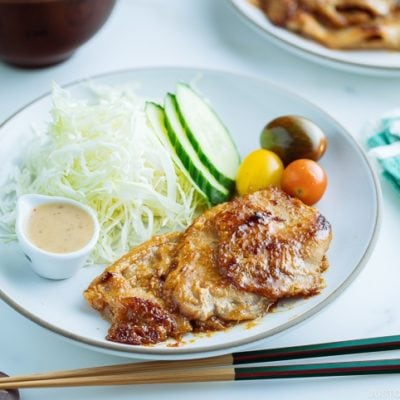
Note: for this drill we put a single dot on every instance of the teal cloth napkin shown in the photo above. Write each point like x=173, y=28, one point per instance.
x=383, y=143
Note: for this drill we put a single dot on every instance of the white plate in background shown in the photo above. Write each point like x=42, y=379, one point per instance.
x=375, y=62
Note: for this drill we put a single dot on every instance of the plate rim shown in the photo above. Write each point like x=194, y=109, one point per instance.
x=328, y=59
x=150, y=352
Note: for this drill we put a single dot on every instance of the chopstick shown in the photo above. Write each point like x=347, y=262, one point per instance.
x=119, y=369
x=220, y=374
x=201, y=370
x=355, y=346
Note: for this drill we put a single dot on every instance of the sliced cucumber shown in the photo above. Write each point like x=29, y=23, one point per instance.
x=216, y=193
x=156, y=116
x=208, y=135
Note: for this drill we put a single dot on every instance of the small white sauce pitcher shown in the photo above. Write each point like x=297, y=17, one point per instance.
x=46, y=264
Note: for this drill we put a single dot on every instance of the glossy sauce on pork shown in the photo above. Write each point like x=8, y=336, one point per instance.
x=231, y=265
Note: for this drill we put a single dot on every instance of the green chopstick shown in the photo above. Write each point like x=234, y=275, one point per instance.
x=319, y=350
x=391, y=366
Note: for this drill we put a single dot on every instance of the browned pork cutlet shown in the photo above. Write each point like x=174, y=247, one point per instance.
x=230, y=265
x=272, y=244
x=343, y=13
x=339, y=24
x=379, y=33
x=334, y=13
x=129, y=294
x=202, y=294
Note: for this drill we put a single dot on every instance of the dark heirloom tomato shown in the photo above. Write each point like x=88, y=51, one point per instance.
x=292, y=137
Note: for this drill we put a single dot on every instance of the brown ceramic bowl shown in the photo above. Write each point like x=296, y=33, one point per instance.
x=38, y=33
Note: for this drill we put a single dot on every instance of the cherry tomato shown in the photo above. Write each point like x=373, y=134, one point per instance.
x=260, y=169
x=292, y=137
x=305, y=179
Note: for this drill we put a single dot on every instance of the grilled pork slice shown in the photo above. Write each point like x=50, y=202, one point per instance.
x=334, y=13
x=239, y=258
x=379, y=33
x=272, y=245
x=230, y=265
x=129, y=294
x=343, y=13
x=339, y=24
x=202, y=294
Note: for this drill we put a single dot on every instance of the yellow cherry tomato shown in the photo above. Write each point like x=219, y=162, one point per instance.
x=260, y=169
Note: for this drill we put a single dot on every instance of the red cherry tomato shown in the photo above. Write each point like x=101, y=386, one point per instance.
x=305, y=179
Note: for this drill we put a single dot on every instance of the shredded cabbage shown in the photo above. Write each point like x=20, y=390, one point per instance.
x=104, y=154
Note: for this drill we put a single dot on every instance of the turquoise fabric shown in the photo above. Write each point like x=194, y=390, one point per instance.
x=388, y=132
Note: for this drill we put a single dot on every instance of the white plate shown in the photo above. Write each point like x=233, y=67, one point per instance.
x=377, y=62
x=245, y=104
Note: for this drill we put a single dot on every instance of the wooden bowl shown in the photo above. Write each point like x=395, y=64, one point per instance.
x=38, y=33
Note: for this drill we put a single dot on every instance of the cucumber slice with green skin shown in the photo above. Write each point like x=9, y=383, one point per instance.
x=156, y=116
x=208, y=135
x=215, y=192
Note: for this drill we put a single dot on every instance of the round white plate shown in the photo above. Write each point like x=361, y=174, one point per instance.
x=376, y=62
x=245, y=104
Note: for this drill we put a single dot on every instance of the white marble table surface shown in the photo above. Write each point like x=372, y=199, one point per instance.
x=206, y=33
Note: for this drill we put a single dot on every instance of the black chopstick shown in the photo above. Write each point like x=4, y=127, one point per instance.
x=391, y=366
x=318, y=350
